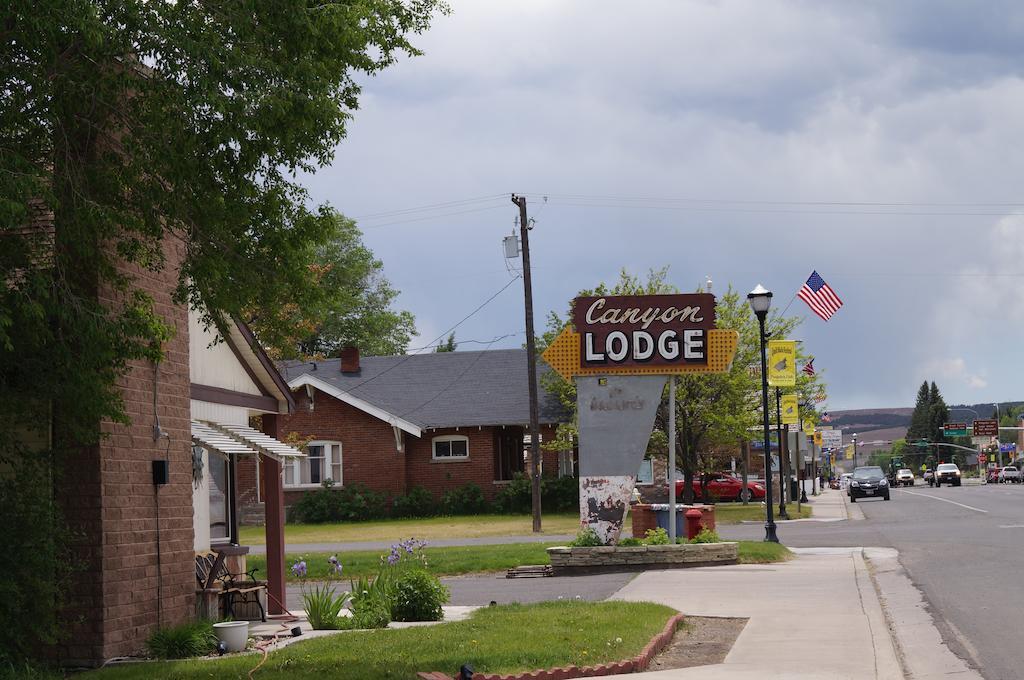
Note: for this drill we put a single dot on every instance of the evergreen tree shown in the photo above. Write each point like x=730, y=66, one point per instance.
x=448, y=345
x=938, y=413
x=919, y=421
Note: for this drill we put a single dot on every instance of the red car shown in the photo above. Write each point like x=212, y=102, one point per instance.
x=724, y=487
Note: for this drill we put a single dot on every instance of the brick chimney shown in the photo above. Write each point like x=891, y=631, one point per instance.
x=349, y=359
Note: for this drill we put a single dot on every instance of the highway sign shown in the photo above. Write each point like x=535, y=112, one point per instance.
x=986, y=428
x=955, y=429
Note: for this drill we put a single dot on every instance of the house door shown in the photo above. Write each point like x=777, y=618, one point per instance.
x=508, y=453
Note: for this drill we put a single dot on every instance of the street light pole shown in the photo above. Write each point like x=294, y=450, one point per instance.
x=854, y=450
x=760, y=300
x=782, y=459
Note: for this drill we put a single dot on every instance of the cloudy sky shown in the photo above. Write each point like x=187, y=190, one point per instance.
x=749, y=141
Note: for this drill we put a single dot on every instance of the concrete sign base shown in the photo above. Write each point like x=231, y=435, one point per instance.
x=616, y=417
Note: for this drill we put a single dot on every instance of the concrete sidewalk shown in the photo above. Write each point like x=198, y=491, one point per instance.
x=817, y=616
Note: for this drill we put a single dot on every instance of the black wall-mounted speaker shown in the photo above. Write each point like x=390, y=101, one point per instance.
x=161, y=472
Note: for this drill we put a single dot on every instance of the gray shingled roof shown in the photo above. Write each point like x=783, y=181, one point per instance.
x=443, y=389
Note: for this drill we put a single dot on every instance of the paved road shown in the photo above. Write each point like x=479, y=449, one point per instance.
x=962, y=546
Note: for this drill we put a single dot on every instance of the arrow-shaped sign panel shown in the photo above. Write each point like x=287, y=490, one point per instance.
x=563, y=355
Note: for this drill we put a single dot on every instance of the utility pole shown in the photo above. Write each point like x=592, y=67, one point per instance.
x=782, y=458
x=531, y=363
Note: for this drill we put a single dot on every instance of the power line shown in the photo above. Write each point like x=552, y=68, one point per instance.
x=407, y=357
x=466, y=342
x=432, y=217
x=739, y=201
x=429, y=206
x=453, y=382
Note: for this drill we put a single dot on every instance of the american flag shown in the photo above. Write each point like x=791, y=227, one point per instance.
x=819, y=297
x=809, y=367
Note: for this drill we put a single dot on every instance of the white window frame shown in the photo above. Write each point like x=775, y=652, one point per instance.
x=448, y=438
x=329, y=462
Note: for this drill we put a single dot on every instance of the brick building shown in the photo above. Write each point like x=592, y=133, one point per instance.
x=436, y=420
x=158, y=491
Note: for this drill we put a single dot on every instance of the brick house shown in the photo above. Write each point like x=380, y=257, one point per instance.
x=435, y=420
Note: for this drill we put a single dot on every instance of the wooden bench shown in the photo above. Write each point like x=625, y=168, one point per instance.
x=212, y=576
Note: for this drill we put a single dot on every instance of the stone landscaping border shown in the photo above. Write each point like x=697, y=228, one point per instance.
x=637, y=664
x=568, y=561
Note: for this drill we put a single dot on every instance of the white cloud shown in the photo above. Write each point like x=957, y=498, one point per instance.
x=954, y=370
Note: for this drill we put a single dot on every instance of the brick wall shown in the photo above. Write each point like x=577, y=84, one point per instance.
x=439, y=476
x=368, y=443
x=111, y=499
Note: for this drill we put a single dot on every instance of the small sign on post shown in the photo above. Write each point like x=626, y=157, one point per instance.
x=986, y=428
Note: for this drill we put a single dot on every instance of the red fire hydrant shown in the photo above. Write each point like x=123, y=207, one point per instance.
x=693, y=522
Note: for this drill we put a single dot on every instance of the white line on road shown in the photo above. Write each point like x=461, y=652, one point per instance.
x=946, y=500
x=1011, y=526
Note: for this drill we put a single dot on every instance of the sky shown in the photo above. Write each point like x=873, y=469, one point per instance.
x=745, y=141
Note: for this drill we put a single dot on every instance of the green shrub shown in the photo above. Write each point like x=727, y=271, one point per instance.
x=419, y=596
x=586, y=538
x=323, y=606
x=558, y=494
x=656, y=537
x=630, y=542
x=348, y=503
x=515, y=497
x=371, y=613
x=468, y=499
x=417, y=503
x=706, y=536
x=195, y=638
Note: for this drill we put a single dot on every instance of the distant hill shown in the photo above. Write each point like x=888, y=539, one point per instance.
x=875, y=426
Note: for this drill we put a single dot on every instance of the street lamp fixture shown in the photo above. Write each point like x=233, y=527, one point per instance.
x=855, y=450
x=760, y=301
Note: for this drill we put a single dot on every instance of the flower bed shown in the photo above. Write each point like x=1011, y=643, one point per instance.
x=566, y=561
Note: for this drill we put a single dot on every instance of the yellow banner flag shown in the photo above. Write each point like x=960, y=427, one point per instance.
x=790, y=409
x=817, y=438
x=782, y=363
x=809, y=426
x=849, y=452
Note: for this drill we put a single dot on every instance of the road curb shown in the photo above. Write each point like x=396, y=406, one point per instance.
x=921, y=651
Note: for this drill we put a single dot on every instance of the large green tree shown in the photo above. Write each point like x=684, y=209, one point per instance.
x=354, y=304
x=129, y=125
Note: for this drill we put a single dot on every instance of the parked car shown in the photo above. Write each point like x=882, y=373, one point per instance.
x=844, y=480
x=947, y=473
x=929, y=477
x=833, y=483
x=1008, y=475
x=993, y=475
x=724, y=487
x=868, y=482
x=904, y=477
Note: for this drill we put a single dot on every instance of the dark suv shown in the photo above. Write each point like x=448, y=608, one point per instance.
x=868, y=482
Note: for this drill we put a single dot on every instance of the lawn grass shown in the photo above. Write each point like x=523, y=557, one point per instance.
x=471, y=559
x=734, y=513
x=468, y=526
x=758, y=552
x=502, y=639
x=465, y=559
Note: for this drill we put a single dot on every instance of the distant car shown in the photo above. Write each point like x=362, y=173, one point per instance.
x=868, y=482
x=844, y=480
x=992, y=476
x=724, y=487
x=947, y=473
x=929, y=477
x=904, y=478
x=1009, y=475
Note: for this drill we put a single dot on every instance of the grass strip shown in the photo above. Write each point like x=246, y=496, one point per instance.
x=471, y=559
x=734, y=513
x=502, y=639
x=468, y=526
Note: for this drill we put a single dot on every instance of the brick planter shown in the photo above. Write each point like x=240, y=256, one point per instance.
x=644, y=516
x=566, y=561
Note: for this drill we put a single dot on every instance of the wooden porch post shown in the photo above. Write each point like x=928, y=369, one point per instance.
x=273, y=499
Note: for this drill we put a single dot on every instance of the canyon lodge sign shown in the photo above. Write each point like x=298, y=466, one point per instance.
x=644, y=330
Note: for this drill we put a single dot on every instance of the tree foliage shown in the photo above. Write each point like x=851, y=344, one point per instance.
x=133, y=129
x=353, y=307
x=448, y=345
x=714, y=412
